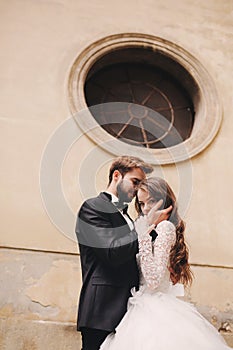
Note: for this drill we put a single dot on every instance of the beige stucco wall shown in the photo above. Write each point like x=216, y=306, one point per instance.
x=39, y=43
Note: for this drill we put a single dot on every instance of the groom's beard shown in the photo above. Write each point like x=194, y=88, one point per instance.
x=123, y=194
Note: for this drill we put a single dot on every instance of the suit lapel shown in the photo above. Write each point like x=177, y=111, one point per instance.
x=116, y=214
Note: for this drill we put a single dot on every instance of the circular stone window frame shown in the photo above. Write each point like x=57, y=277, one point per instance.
x=208, y=115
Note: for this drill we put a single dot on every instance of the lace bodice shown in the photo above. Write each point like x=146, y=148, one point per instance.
x=153, y=257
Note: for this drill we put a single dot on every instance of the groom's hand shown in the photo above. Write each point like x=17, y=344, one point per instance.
x=156, y=215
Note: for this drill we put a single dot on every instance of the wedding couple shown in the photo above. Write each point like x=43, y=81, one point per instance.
x=131, y=270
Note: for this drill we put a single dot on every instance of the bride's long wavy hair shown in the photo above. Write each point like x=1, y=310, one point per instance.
x=158, y=189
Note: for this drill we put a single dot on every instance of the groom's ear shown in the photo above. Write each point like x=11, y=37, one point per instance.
x=116, y=175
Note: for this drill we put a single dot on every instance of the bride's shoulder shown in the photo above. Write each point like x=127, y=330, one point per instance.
x=166, y=227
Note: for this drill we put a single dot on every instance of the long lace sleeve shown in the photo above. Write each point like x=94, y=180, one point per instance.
x=154, y=258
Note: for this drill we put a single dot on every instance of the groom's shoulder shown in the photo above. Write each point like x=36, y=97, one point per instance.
x=97, y=203
x=100, y=198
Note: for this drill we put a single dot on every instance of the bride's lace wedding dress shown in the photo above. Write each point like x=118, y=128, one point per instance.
x=156, y=319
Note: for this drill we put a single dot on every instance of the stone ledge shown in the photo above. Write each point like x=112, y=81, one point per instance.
x=21, y=334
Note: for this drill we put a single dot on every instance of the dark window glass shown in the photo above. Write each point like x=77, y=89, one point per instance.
x=156, y=111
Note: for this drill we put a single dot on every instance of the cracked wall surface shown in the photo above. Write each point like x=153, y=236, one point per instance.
x=41, y=286
x=46, y=286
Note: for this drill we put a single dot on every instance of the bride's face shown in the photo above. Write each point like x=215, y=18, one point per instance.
x=146, y=202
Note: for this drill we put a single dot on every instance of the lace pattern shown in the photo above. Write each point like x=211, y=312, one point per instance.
x=154, y=256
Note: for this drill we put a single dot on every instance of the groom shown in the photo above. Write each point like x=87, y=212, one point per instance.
x=108, y=246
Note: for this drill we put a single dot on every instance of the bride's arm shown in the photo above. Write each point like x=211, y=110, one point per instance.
x=154, y=262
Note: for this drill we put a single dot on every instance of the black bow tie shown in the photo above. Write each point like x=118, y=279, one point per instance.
x=121, y=206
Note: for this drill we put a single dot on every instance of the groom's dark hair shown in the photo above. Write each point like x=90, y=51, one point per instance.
x=124, y=164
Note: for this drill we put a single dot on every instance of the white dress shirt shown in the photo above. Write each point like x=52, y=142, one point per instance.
x=115, y=199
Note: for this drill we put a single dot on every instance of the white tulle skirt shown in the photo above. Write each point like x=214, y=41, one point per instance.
x=161, y=321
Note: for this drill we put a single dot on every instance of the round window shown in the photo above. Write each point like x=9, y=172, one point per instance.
x=143, y=91
x=148, y=93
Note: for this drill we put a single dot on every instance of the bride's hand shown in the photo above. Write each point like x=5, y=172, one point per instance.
x=142, y=227
x=155, y=216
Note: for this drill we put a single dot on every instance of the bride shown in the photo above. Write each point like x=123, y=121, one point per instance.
x=156, y=319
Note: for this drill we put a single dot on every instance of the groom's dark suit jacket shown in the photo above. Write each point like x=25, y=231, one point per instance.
x=109, y=270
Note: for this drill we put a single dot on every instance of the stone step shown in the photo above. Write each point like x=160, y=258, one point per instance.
x=21, y=334
x=26, y=334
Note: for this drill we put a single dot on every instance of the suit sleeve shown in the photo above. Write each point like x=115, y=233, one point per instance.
x=113, y=244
